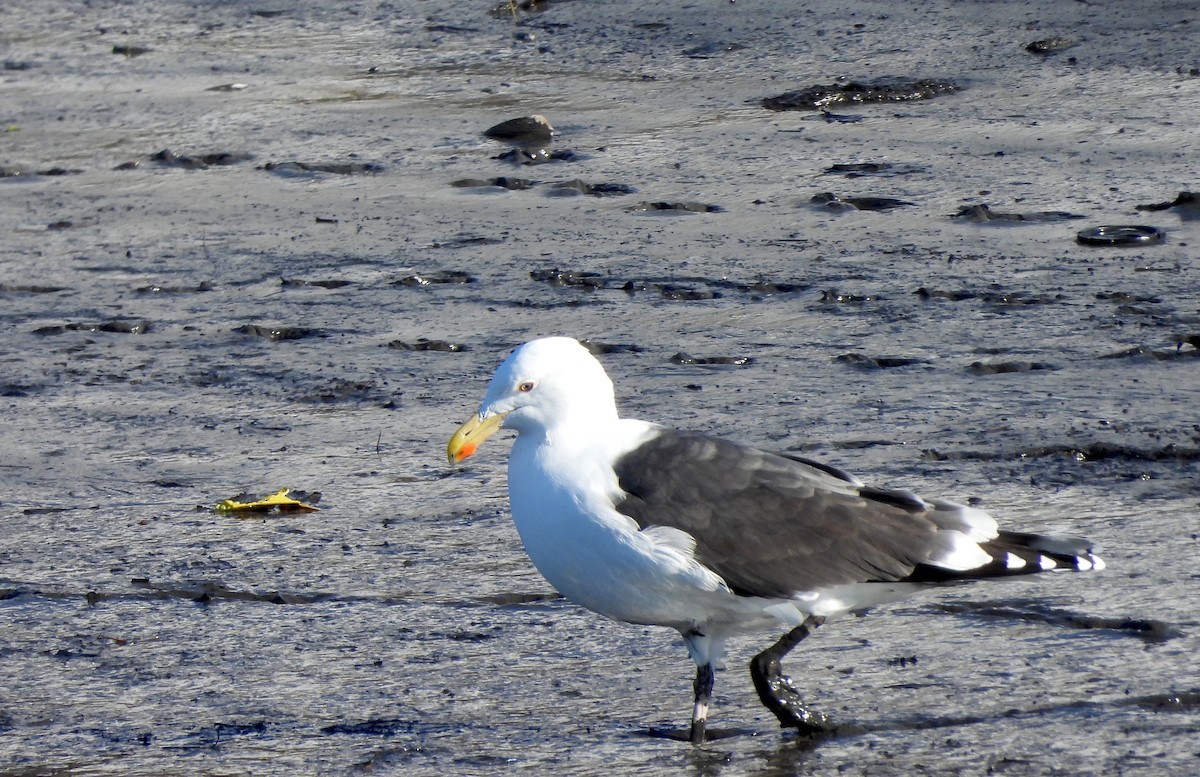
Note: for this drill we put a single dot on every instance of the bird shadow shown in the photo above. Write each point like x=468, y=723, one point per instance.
x=1161, y=702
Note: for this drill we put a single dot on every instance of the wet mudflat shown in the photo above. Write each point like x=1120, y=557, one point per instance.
x=236, y=261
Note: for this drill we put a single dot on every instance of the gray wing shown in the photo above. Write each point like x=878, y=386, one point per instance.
x=771, y=525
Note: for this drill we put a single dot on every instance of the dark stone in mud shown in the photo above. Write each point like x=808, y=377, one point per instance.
x=434, y=278
x=538, y=156
x=711, y=49
x=334, y=168
x=687, y=207
x=688, y=359
x=687, y=294
x=878, y=362
x=130, y=50
x=526, y=130
x=592, y=189
x=1125, y=298
x=557, y=277
x=1097, y=451
x=117, y=326
x=952, y=296
x=508, y=9
x=169, y=158
x=833, y=296
x=1145, y=352
x=382, y=727
x=296, y=282
x=872, y=169
x=981, y=213
x=1049, y=45
x=1019, y=298
x=1187, y=205
x=503, y=181
x=16, y=288
x=821, y=97
x=998, y=368
x=202, y=286
x=835, y=202
x=599, y=348
x=770, y=287
x=276, y=333
x=422, y=344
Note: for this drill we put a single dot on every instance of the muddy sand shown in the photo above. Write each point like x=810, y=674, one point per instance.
x=256, y=246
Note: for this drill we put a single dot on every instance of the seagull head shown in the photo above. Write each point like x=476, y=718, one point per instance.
x=543, y=384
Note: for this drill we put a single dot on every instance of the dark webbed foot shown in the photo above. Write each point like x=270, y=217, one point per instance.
x=776, y=690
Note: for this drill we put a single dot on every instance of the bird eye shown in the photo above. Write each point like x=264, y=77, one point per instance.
x=526, y=386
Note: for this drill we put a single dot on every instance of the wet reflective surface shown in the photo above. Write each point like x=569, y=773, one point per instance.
x=317, y=306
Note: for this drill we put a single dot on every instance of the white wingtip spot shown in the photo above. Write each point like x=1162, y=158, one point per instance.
x=1013, y=561
x=1097, y=563
x=1082, y=564
x=1045, y=562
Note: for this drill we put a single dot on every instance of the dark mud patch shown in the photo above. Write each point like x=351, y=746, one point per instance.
x=115, y=326
x=421, y=344
x=711, y=49
x=503, y=182
x=835, y=297
x=824, y=96
x=168, y=158
x=199, y=592
x=1047, y=46
x=1147, y=353
x=1097, y=451
x=576, y=278
x=1147, y=629
x=873, y=170
x=278, y=333
x=130, y=50
x=599, y=348
x=332, y=168
x=467, y=241
x=983, y=213
x=1003, y=368
x=185, y=289
x=959, y=295
x=435, y=278
x=519, y=599
x=878, y=362
x=992, y=296
x=678, y=289
x=836, y=202
x=724, y=361
x=576, y=186
x=661, y=206
x=539, y=156
x=1186, y=204
x=17, y=288
x=300, y=283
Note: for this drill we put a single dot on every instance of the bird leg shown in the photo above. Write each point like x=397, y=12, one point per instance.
x=776, y=690
x=703, y=687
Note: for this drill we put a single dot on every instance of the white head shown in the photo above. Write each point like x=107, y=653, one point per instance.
x=542, y=384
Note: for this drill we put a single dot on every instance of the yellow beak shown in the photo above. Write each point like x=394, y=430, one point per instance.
x=471, y=435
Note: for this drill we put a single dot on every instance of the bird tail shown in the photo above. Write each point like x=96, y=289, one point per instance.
x=1018, y=553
